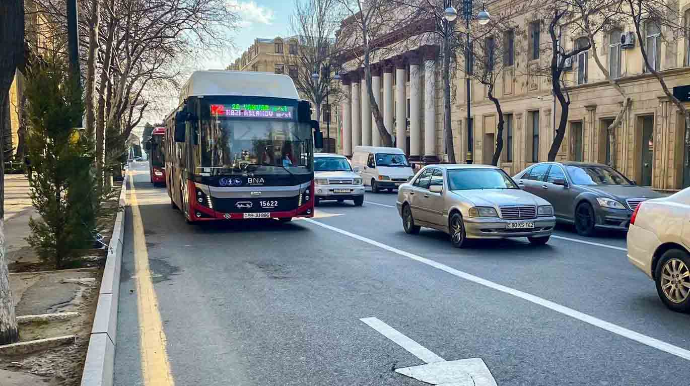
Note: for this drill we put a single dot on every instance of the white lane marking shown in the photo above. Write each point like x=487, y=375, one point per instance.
x=610, y=327
x=376, y=203
x=589, y=243
x=436, y=371
x=403, y=341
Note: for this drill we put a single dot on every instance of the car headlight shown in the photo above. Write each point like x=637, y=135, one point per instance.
x=609, y=203
x=545, y=211
x=321, y=181
x=384, y=178
x=483, y=211
x=357, y=181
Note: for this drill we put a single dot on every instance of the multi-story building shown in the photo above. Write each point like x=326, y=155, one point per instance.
x=279, y=56
x=652, y=145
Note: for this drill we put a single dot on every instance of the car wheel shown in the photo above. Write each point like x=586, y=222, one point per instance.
x=538, y=240
x=317, y=201
x=408, y=221
x=672, y=279
x=359, y=200
x=374, y=187
x=584, y=219
x=457, y=230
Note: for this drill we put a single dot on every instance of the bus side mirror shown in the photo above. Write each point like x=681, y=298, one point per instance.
x=180, y=127
x=147, y=146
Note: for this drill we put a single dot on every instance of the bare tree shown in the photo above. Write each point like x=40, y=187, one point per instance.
x=12, y=43
x=312, y=49
x=666, y=17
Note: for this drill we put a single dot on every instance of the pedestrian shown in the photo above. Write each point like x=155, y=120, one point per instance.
x=29, y=169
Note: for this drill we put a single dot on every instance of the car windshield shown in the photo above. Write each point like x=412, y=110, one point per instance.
x=331, y=164
x=394, y=160
x=596, y=175
x=470, y=179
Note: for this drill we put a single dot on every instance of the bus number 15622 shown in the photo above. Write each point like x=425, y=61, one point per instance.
x=268, y=204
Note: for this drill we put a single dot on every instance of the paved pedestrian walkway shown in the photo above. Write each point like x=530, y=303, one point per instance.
x=18, y=211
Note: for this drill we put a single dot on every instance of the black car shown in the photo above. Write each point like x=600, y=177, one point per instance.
x=588, y=195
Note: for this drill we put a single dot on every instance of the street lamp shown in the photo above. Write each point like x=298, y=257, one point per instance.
x=326, y=75
x=483, y=17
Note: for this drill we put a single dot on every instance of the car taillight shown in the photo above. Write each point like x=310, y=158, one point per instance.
x=634, y=215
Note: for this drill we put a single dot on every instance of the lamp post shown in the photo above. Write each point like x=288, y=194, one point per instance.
x=483, y=17
x=326, y=77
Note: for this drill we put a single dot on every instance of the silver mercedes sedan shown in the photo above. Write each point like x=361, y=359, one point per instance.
x=473, y=202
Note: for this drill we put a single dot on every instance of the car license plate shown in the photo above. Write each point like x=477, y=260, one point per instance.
x=256, y=215
x=520, y=225
x=341, y=190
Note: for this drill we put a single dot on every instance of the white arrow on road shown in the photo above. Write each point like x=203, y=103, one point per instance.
x=436, y=371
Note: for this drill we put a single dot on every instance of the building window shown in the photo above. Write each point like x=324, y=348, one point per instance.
x=509, y=48
x=489, y=49
x=279, y=69
x=615, y=53
x=687, y=37
x=535, y=135
x=293, y=72
x=509, y=138
x=293, y=49
x=582, y=62
x=534, y=41
x=279, y=48
x=576, y=141
x=653, y=44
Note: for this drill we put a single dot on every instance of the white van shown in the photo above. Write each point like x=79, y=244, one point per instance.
x=381, y=167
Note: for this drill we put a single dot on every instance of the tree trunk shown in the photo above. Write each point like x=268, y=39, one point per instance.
x=104, y=89
x=447, y=126
x=12, y=43
x=386, y=139
x=499, y=128
x=556, y=72
x=91, y=67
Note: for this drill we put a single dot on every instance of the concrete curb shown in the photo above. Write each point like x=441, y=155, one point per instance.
x=100, y=357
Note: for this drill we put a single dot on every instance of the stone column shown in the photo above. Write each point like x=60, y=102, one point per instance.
x=356, y=112
x=590, y=136
x=415, y=108
x=388, y=98
x=376, y=88
x=401, y=105
x=366, y=114
x=430, y=106
x=347, y=117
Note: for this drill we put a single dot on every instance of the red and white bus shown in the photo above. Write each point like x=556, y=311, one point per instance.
x=156, y=150
x=241, y=146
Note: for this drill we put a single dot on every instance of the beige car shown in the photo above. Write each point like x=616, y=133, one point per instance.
x=659, y=245
x=473, y=202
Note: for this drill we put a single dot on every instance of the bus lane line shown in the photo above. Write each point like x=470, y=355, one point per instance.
x=155, y=365
x=591, y=320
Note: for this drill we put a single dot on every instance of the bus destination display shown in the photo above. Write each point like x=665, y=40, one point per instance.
x=239, y=110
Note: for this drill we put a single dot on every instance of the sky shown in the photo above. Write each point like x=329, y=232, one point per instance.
x=258, y=19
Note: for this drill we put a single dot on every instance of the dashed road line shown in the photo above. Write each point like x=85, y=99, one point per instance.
x=591, y=320
x=376, y=203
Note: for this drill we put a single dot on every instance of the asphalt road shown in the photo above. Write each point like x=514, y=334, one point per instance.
x=263, y=303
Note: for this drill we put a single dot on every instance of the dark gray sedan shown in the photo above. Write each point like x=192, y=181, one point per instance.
x=588, y=195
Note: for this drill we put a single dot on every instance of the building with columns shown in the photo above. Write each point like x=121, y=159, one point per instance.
x=652, y=145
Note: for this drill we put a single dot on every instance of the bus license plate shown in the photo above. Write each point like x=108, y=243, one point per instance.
x=256, y=215
x=341, y=190
x=520, y=225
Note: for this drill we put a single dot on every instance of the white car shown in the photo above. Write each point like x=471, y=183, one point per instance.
x=659, y=245
x=381, y=167
x=335, y=180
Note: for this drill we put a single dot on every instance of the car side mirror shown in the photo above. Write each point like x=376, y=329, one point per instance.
x=436, y=188
x=560, y=182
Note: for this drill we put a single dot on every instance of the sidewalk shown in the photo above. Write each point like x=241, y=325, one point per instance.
x=18, y=211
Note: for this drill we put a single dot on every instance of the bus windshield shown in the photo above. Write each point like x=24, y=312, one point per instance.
x=157, y=155
x=264, y=146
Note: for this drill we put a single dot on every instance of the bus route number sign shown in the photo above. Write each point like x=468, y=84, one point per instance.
x=239, y=110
